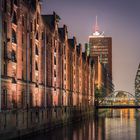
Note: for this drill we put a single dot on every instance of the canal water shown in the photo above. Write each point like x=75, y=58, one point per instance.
x=111, y=124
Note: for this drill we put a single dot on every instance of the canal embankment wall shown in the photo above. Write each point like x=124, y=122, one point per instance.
x=21, y=123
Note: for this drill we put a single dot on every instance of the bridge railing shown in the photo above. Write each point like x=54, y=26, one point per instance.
x=129, y=99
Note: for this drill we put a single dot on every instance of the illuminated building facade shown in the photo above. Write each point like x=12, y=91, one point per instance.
x=43, y=73
x=21, y=76
x=100, y=50
x=137, y=83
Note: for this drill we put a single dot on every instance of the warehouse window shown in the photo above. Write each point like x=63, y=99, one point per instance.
x=14, y=19
x=14, y=39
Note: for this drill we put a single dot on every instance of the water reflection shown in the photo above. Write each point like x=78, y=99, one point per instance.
x=121, y=124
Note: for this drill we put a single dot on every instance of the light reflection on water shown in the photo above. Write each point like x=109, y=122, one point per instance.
x=120, y=124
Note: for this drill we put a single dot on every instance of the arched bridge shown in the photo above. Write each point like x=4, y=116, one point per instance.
x=117, y=99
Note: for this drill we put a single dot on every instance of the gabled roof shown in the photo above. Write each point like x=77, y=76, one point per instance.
x=51, y=19
x=63, y=32
x=78, y=49
x=72, y=42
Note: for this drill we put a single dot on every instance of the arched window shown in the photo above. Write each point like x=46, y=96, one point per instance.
x=14, y=101
x=54, y=60
x=4, y=5
x=54, y=73
x=14, y=39
x=42, y=36
x=5, y=69
x=4, y=50
x=37, y=18
x=13, y=56
x=31, y=100
x=23, y=99
x=36, y=50
x=15, y=2
x=22, y=20
x=4, y=98
x=55, y=50
x=14, y=19
x=36, y=66
x=37, y=35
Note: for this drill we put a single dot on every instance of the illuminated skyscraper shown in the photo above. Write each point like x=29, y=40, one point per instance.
x=101, y=51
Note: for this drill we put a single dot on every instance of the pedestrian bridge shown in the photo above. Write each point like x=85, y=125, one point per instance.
x=118, y=99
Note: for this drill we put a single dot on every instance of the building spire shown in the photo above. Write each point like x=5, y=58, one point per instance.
x=96, y=25
x=96, y=29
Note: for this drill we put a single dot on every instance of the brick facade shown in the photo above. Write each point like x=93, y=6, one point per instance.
x=41, y=67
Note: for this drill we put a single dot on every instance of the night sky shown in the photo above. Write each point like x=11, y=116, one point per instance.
x=119, y=19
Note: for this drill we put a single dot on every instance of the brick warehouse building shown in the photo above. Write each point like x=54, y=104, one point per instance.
x=43, y=73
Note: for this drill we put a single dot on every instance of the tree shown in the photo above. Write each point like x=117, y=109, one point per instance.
x=98, y=95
